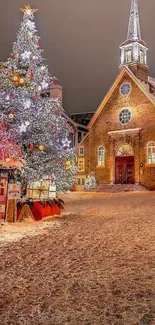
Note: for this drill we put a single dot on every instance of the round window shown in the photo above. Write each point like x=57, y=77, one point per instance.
x=125, y=88
x=124, y=116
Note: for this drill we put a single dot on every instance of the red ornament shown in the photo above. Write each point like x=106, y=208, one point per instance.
x=31, y=74
x=52, y=126
x=38, y=42
x=31, y=147
x=57, y=113
x=3, y=124
x=36, y=96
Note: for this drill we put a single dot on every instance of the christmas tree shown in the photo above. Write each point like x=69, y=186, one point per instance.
x=36, y=120
x=90, y=182
x=10, y=152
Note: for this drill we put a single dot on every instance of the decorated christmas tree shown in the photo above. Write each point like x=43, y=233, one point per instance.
x=90, y=182
x=10, y=152
x=35, y=120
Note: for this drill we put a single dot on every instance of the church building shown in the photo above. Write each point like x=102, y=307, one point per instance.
x=120, y=145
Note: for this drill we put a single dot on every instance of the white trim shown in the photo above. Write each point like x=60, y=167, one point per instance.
x=125, y=131
x=129, y=109
x=148, y=152
x=118, y=148
x=103, y=151
x=113, y=87
x=125, y=82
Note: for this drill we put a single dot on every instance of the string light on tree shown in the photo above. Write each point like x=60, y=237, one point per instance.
x=26, y=55
x=30, y=25
x=23, y=128
x=27, y=123
x=27, y=103
x=44, y=84
x=38, y=126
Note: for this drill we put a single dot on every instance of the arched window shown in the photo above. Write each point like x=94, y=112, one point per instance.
x=151, y=153
x=100, y=155
x=125, y=150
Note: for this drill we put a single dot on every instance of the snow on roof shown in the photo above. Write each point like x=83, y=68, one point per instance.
x=145, y=85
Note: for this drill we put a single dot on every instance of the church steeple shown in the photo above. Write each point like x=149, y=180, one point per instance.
x=134, y=49
x=134, y=32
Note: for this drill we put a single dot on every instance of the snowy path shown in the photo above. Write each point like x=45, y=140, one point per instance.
x=95, y=265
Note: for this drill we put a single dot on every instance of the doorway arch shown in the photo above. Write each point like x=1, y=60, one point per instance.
x=124, y=164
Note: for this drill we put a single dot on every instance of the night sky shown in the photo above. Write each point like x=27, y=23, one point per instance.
x=81, y=41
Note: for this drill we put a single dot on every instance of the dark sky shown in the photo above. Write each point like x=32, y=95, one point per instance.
x=81, y=41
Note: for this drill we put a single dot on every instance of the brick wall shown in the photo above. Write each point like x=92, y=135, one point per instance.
x=143, y=116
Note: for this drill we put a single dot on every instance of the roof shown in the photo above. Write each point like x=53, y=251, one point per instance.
x=130, y=41
x=143, y=86
x=73, y=122
x=85, y=137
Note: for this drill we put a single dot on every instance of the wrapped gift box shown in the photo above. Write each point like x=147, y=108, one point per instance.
x=41, y=190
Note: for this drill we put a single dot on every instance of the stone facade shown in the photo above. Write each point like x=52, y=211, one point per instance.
x=106, y=130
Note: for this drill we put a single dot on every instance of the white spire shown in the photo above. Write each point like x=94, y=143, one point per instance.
x=134, y=32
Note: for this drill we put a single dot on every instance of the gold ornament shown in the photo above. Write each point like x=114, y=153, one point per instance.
x=68, y=165
x=16, y=55
x=11, y=116
x=21, y=81
x=7, y=159
x=18, y=79
x=15, y=77
x=41, y=147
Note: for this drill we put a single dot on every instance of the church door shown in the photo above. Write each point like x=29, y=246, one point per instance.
x=124, y=170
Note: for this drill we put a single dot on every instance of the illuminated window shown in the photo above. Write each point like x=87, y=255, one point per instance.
x=125, y=88
x=81, y=164
x=81, y=150
x=141, y=57
x=128, y=56
x=124, y=116
x=151, y=153
x=100, y=156
x=125, y=150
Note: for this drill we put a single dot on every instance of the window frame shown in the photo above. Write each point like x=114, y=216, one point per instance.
x=120, y=89
x=83, y=161
x=125, y=108
x=81, y=154
x=141, y=55
x=100, y=163
x=127, y=55
x=148, y=144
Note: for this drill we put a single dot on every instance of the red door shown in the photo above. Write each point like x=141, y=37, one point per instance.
x=124, y=170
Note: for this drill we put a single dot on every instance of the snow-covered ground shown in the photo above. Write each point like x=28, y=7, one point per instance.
x=93, y=265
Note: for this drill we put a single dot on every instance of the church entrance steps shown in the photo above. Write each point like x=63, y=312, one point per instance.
x=115, y=188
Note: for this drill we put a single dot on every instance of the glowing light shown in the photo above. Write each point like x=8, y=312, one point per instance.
x=27, y=123
x=41, y=147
